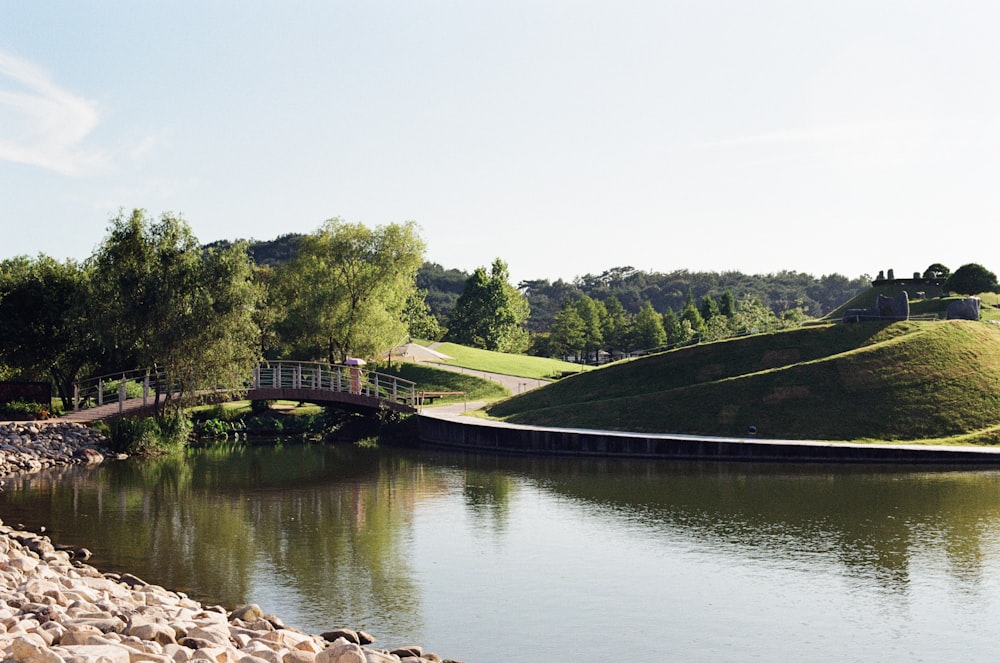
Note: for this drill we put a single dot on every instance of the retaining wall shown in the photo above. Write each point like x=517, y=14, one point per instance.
x=495, y=437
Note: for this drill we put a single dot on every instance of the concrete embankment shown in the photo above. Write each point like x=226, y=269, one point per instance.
x=54, y=607
x=447, y=429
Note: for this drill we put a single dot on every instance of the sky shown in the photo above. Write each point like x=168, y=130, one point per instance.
x=564, y=137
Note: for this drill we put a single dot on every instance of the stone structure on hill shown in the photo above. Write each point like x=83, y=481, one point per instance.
x=886, y=308
x=963, y=309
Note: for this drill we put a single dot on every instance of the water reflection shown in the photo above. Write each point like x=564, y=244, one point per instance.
x=433, y=547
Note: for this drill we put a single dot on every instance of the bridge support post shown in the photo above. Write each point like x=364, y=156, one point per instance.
x=121, y=395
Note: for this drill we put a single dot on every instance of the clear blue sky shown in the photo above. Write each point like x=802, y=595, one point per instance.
x=565, y=137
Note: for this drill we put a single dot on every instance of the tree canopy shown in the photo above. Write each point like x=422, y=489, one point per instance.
x=972, y=279
x=163, y=302
x=43, y=325
x=346, y=291
x=490, y=313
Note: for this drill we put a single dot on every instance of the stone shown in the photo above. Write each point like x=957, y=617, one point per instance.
x=247, y=613
x=298, y=656
x=346, y=633
x=347, y=652
x=154, y=632
x=964, y=309
x=100, y=653
x=409, y=650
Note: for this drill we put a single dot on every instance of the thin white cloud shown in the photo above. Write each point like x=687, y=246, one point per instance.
x=850, y=146
x=42, y=124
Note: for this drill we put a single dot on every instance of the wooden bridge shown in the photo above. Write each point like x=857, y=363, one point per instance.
x=134, y=392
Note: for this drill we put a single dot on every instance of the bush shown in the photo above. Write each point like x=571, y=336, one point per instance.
x=147, y=435
x=20, y=410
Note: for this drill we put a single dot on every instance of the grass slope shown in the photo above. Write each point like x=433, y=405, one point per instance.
x=429, y=378
x=929, y=381
x=542, y=368
x=934, y=305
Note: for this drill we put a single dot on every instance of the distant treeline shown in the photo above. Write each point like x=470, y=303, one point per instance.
x=779, y=291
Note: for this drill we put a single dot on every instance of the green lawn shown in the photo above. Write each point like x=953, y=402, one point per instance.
x=909, y=381
x=542, y=368
x=429, y=378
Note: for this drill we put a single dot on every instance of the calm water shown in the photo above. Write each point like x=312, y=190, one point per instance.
x=507, y=559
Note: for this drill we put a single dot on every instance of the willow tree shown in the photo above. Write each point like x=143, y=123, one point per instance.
x=345, y=293
x=165, y=303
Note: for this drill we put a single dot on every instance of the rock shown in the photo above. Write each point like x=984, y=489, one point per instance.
x=964, y=309
x=346, y=652
x=345, y=633
x=414, y=651
x=247, y=613
x=154, y=632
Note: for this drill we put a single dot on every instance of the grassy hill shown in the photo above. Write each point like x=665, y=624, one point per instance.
x=542, y=368
x=932, y=306
x=912, y=381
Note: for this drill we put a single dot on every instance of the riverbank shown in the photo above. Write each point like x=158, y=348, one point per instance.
x=447, y=427
x=55, y=607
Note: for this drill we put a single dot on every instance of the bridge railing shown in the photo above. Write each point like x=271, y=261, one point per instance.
x=321, y=376
x=318, y=376
x=117, y=388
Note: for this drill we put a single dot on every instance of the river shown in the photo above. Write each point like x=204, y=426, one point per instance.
x=490, y=559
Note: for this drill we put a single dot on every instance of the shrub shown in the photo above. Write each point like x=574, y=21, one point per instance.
x=18, y=410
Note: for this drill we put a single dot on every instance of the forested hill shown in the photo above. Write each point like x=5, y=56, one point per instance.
x=780, y=291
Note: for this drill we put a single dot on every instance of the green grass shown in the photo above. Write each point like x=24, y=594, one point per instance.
x=542, y=368
x=909, y=381
x=932, y=306
x=429, y=378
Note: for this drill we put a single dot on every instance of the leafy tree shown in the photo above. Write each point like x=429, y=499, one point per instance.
x=937, y=271
x=347, y=289
x=491, y=313
x=44, y=333
x=615, y=325
x=590, y=313
x=568, y=334
x=716, y=328
x=692, y=316
x=443, y=286
x=647, y=328
x=709, y=308
x=752, y=317
x=420, y=322
x=672, y=327
x=727, y=304
x=163, y=302
x=972, y=279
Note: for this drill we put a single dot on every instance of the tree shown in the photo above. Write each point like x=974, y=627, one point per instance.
x=752, y=317
x=347, y=289
x=490, y=313
x=709, y=308
x=972, y=279
x=727, y=304
x=615, y=325
x=937, y=271
x=420, y=322
x=672, y=328
x=568, y=333
x=162, y=302
x=647, y=328
x=692, y=316
x=44, y=333
x=590, y=314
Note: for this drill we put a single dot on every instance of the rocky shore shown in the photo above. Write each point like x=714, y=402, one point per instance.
x=54, y=607
x=31, y=446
